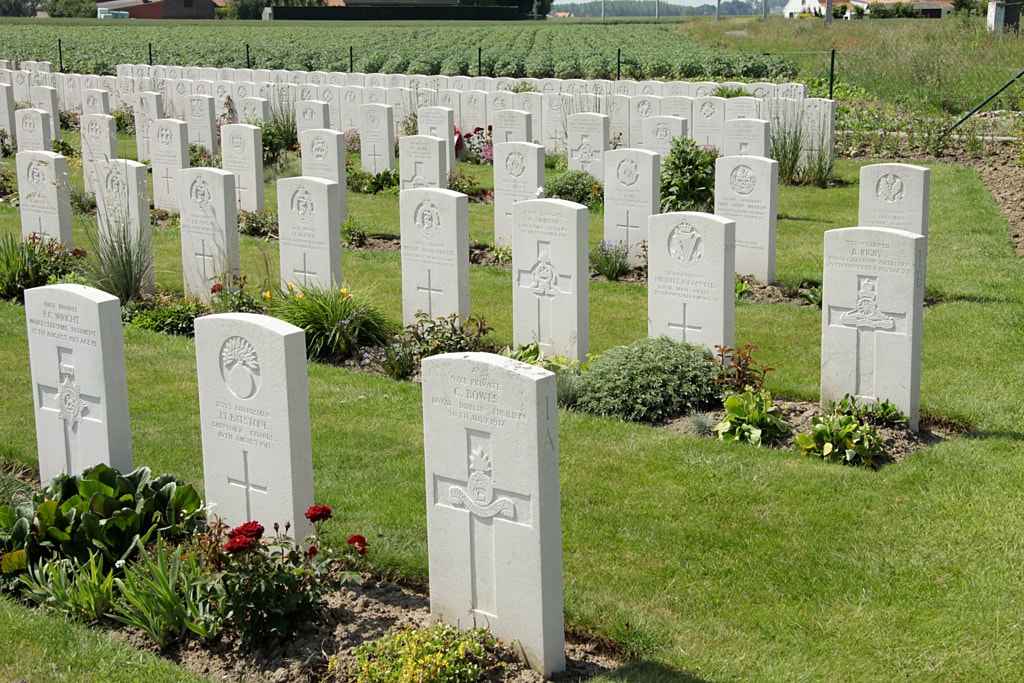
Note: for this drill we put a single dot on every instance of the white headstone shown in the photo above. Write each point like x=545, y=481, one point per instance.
x=311, y=114
x=747, y=192
x=202, y=122
x=377, y=138
x=551, y=279
x=7, y=111
x=691, y=278
x=632, y=192
x=435, y=253
x=309, y=213
x=474, y=110
x=79, y=386
x=168, y=153
x=423, y=162
x=149, y=106
x=660, y=131
x=242, y=154
x=122, y=203
x=511, y=125
x=323, y=156
x=706, y=124
x=742, y=108
x=518, y=176
x=588, y=142
x=872, y=303
x=44, y=196
x=747, y=137
x=33, y=130
x=895, y=196
x=532, y=102
x=641, y=108
x=253, y=110
x=209, y=228
x=254, y=413
x=557, y=108
x=490, y=432
x=351, y=100
x=45, y=98
x=439, y=122
x=99, y=143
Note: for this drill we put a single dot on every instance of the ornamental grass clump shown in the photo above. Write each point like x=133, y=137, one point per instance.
x=337, y=323
x=651, y=380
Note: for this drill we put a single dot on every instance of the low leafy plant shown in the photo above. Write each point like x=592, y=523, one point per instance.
x=650, y=380
x=397, y=359
x=100, y=511
x=82, y=203
x=353, y=233
x=32, y=262
x=449, y=334
x=743, y=289
x=272, y=584
x=567, y=372
x=200, y=157
x=8, y=181
x=877, y=413
x=688, y=177
x=165, y=594
x=233, y=296
x=751, y=417
x=502, y=254
x=841, y=439
x=64, y=148
x=83, y=591
x=610, y=259
x=576, y=186
x=729, y=91
x=369, y=183
x=124, y=119
x=739, y=371
x=258, y=224
x=336, y=322
x=460, y=181
x=164, y=313
x=280, y=135
x=69, y=120
x=427, y=653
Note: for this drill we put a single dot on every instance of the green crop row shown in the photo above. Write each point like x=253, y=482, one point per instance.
x=522, y=49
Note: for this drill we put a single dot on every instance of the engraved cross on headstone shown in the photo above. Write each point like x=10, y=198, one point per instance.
x=627, y=226
x=683, y=328
x=71, y=406
x=305, y=273
x=488, y=508
x=584, y=153
x=204, y=259
x=546, y=283
x=375, y=156
x=867, y=319
x=430, y=292
x=241, y=186
x=245, y=483
x=168, y=177
x=416, y=179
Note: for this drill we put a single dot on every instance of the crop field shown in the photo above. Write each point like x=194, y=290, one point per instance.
x=520, y=49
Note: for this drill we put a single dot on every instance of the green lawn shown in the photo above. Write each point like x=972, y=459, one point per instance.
x=707, y=561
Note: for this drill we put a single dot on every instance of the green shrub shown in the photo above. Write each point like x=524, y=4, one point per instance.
x=397, y=359
x=32, y=262
x=165, y=314
x=729, y=91
x=64, y=148
x=880, y=414
x=100, y=511
x=427, y=653
x=279, y=134
x=688, y=177
x=232, y=296
x=8, y=180
x=200, y=157
x=368, y=183
x=841, y=439
x=353, y=234
x=567, y=372
x=337, y=323
x=651, y=380
x=82, y=203
x=258, y=224
x=752, y=418
x=120, y=264
x=739, y=371
x=78, y=590
x=576, y=186
x=451, y=334
x=460, y=181
x=610, y=259
x=124, y=119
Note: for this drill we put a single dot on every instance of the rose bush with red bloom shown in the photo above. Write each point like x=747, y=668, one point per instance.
x=318, y=513
x=358, y=542
x=311, y=551
x=216, y=289
x=253, y=530
x=238, y=543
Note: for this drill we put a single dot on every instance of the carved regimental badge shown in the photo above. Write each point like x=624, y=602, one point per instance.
x=627, y=172
x=515, y=164
x=240, y=367
x=644, y=108
x=318, y=147
x=302, y=205
x=890, y=188
x=237, y=143
x=685, y=245
x=373, y=118
x=200, y=193
x=36, y=173
x=427, y=219
x=28, y=124
x=708, y=110
x=70, y=403
x=742, y=180
x=478, y=497
x=164, y=136
x=867, y=314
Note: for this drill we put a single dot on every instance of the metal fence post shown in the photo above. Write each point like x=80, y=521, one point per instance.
x=832, y=74
x=60, y=54
x=479, y=61
x=151, y=54
x=618, y=65
x=351, y=60
x=248, y=61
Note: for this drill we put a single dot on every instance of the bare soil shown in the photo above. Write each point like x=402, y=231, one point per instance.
x=323, y=649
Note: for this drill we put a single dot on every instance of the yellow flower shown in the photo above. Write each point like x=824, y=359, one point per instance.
x=346, y=293
x=298, y=295
x=267, y=295
x=291, y=287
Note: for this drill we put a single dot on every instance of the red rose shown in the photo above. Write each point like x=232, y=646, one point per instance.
x=477, y=130
x=216, y=288
x=238, y=543
x=318, y=513
x=78, y=252
x=251, y=530
x=358, y=542
x=311, y=551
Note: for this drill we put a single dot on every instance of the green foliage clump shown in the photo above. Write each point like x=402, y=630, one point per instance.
x=32, y=263
x=688, y=177
x=751, y=417
x=730, y=91
x=164, y=314
x=82, y=9
x=610, y=259
x=258, y=224
x=451, y=334
x=353, y=233
x=200, y=157
x=279, y=134
x=439, y=653
x=82, y=203
x=567, y=372
x=101, y=511
x=397, y=359
x=841, y=439
x=739, y=371
x=124, y=120
x=337, y=323
x=460, y=181
x=369, y=183
x=650, y=380
x=877, y=413
x=83, y=591
x=576, y=186
x=120, y=263
x=64, y=148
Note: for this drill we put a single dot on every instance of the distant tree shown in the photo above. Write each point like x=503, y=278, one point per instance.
x=969, y=6
x=245, y=9
x=17, y=8
x=905, y=10
x=838, y=11
x=71, y=8
x=543, y=7
x=858, y=11
x=879, y=11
